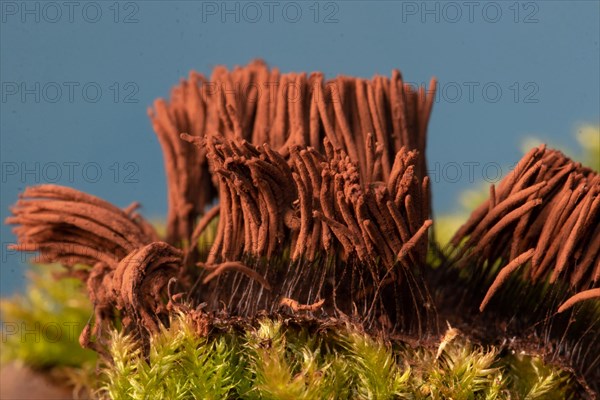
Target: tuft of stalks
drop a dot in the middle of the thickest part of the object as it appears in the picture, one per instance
(314, 204)
(536, 239)
(264, 106)
(542, 217)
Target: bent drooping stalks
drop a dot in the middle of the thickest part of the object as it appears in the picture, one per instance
(129, 265)
(545, 211)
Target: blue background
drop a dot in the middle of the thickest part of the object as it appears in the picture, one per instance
(549, 49)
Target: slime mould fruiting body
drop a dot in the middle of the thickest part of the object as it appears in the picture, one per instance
(323, 208)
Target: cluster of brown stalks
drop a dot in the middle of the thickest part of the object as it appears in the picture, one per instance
(332, 172)
(260, 105)
(317, 202)
(544, 215)
(130, 266)
(323, 204)
(316, 206)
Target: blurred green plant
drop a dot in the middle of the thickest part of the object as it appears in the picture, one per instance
(41, 326)
(533, 380)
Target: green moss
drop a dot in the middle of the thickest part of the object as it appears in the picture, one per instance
(268, 361)
(274, 361)
(180, 364)
(532, 379)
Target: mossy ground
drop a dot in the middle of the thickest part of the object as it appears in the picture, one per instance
(275, 361)
(268, 358)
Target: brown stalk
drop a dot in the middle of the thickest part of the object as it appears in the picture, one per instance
(295, 306)
(218, 269)
(579, 297)
(504, 274)
(557, 220)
